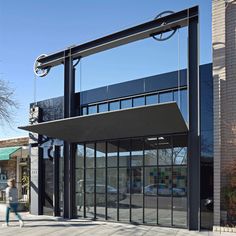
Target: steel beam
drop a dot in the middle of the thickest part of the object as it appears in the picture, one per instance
(139, 32)
(194, 126)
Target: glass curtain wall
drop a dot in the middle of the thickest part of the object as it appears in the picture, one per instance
(139, 180)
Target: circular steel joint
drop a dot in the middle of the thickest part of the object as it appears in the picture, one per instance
(164, 13)
(37, 71)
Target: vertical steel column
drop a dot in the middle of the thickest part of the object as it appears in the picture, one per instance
(194, 125)
(56, 191)
(69, 149)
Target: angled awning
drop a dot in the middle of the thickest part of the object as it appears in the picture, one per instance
(150, 120)
(6, 152)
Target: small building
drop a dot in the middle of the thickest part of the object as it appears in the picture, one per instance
(14, 153)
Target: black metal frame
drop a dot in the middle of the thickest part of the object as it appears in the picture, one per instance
(187, 17)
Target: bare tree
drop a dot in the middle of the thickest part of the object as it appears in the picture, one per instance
(7, 102)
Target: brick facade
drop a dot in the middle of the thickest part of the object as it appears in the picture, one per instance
(224, 75)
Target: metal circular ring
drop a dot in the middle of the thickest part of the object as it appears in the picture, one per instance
(173, 32)
(37, 71)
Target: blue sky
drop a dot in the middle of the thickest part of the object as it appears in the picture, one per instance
(29, 28)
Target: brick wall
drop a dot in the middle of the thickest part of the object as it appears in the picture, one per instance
(224, 74)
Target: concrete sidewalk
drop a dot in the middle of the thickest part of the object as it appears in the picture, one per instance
(46, 225)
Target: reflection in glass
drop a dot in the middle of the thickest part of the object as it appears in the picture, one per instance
(180, 211)
(112, 153)
(179, 180)
(100, 154)
(113, 106)
(127, 103)
(90, 153)
(103, 107)
(136, 196)
(124, 152)
(100, 192)
(164, 210)
(124, 194)
(166, 97)
(150, 152)
(79, 160)
(164, 181)
(150, 191)
(92, 109)
(164, 151)
(137, 152)
(112, 191)
(180, 156)
(151, 99)
(140, 101)
(84, 111)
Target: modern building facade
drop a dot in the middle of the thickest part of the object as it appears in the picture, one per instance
(141, 151)
(140, 177)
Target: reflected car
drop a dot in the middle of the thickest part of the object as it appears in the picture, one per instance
(100, 193)
(163, 190)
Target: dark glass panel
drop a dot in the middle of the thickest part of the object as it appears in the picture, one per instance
(124, 194)
(89, 180)
(180, 211)
(184, 104)
(150, 152)
(103, 107)
(166, 97)
(164, 151)
(79, 159)
(127, 103)
(151, 181)
(101, 154)
(92, 109)
(89, 198)
(137, 152)
(151, 99)
(112, 191)
(124, 152)
(139, 101)
(113, 106)
(90, 154)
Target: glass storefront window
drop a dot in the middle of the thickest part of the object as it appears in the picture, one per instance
(139, 101)
(113, 106)
(92, 109)
(127, 103)
(166, 97)
(151, 99)
(101, 154)
(90, 154)
(103, 107)
(120, 186)
(137, 152)
(164, 151)
(150, 151)
(112, 153)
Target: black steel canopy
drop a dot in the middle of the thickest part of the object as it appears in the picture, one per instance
(157, 119)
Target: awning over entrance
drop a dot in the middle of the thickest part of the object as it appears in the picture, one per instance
(6, 152)
(150, 120)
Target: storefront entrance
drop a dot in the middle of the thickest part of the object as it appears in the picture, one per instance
(139, 180)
